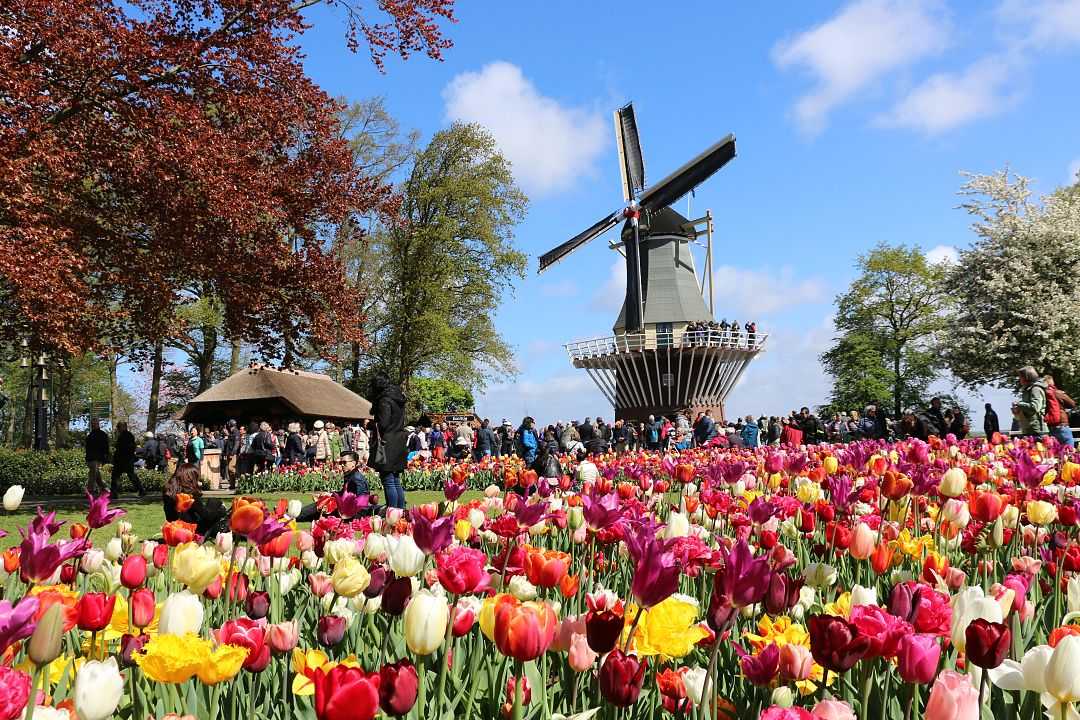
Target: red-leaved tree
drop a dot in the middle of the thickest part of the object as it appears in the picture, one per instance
(153, 150)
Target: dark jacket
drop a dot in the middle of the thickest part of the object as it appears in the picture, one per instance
(294, 449)
(97, 446)
(356, 483)
(151, 452)
(388, 407)
(990, 423)
(125, 449)
(232, 443)
(936, 422)
(486, 442)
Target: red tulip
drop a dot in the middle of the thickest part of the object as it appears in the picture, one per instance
(602, 630)
(835, 643)
(987, 506)
(142, 607)
(398, 683)
(346, 693)
(461, 570)
(524, 631)
(161, 556)
(133, 572)
(621, 677)
(95, 611)
(176, 533)
(250, 634)
(987, 643)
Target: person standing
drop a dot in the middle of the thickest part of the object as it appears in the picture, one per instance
(363, 443)
(322, 443)
(97, 454)
(1030, 411)
(388, 406)
(294, 445)
(750, 433)
(485, 440)
(936, 418)
(124, 460)
(1058, 403)
(990, 421)
(619, 436)
(194, 447)
(526, 440)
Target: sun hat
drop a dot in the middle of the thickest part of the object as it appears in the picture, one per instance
(318, 424)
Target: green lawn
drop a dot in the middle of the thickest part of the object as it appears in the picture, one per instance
(145, 515)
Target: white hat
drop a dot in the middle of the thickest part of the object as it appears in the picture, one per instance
(318, 424)
(148, 434)
(410, 428)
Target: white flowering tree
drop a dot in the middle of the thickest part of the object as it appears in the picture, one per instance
(1017, 289)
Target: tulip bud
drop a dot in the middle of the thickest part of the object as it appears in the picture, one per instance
(997, 533)
(396, 595)
(621, 677)
(782, 696)
(398, 685)
(46, 642)
(129, 645)
(133, 572)
(330, 630)
(13, 497)
(257, 604)
(294, 508)
(224, 542)
(77, 531)
(91, 561)
(142, 607)
(283, 636)
(114, 549)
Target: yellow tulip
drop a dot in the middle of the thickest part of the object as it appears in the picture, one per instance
(462, 530)
(350, 577)
(831, 464)
(1040, 512)
(953, 483)
(196, 566)
(222, 664)
(668, 629)
(1069, 471)
(173, 658)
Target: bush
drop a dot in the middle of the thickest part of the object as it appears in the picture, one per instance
(309, 480)
(57, 472)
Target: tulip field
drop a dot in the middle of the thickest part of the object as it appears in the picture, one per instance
(872, 580)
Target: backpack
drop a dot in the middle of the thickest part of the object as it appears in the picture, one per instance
(1053, 408)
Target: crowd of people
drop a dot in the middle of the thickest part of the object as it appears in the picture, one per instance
(721, 333)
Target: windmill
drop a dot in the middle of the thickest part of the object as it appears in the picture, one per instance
(664, 356)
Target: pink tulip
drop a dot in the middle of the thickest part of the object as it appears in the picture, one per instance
(571, 625)
(786, 713)
(952, 698)
(918, 658)
(321, 584)
(796, 662)
(863, 542)
(283, 636)
(581, 656)
(305, 541)
(14, 692)
(955, 578)
(833, 710)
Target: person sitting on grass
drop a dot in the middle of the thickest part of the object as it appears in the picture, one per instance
(355, 491)
(181, 499)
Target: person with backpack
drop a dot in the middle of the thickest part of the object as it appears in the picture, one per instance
(526, 441)
(1058, 403)
(1030, 410)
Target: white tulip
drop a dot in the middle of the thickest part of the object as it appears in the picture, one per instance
(406, 559)
(295, 508)
(148, 548)
(98, 689)
(92, 560)
(288, 580)
(335, 550)
(47, 712)
(114, 549)
(425, 620)
(971, 604)
(181, 613)
(783, 697)
(476, 518)
(863, 596)
(678, 525)
(819, 575)
(694, 681)
(1028, 674)
(521, 588)
(1062, 678)
(123, 527)
(13, 498)
(310, 560)
(1073, 594)
(224, 542)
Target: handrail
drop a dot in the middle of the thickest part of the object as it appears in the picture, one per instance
(635, 342)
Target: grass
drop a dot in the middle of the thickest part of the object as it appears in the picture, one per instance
(145, 514)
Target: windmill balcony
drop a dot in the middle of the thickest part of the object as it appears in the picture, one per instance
(583, 350)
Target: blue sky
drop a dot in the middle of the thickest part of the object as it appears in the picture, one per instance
(854, 121)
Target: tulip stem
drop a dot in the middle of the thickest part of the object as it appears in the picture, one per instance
(706, 702)
(444, 663)
(228, 578)
(519, 682)
(31, 701)
(421, 702)
(633, 628)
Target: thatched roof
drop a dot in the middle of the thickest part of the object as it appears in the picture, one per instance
(261, 392)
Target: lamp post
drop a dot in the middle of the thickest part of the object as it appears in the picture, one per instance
(41, 399)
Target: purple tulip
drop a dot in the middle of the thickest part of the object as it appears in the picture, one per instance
(1028, 473)
(269, 530)
(330, 630)
(453, 490)
(656, 573)
(46, 524)
(350, 504)
(39, 559)
(99, 515)
(760, 669)
(16, 621)
(601, 511)
(743, 581)
(783, 593)
(431, 537)
(904, 601)
(379, 578)
(761, 511)
(529, 515)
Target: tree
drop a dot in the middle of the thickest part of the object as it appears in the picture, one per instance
(446, 261)
(149, 146)
(1017, 300)
(889, 321)
(439, 395)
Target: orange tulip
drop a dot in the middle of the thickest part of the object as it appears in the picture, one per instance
(569, 585)
(684, 472)
(524, 630)
(895, 485)
(11, 560)
(184, 502)
(546, 568)
(881, 558)
(1059, 634)
(987, 506)
(934, 564)
(528, 478)
(691, 503)
(50, 595)
(817, 474)
(279, 546)
(626, 490)
(878, 465)
(178, 532)
(78, 530)
(247, 514)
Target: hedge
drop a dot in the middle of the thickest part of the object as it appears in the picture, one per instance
(317, 480)
(57, 472)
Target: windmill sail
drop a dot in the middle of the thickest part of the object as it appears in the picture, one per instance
(556, 254)
(631, 162)
(689, 176)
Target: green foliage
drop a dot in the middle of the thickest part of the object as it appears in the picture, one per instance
(447, 262)
(889, 323)
(439, 395)
(317, 480)
(59, 472)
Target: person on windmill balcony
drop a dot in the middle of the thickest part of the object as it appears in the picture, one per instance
(751, 334)
(736, 335)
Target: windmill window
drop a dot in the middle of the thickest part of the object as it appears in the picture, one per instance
(665, 334)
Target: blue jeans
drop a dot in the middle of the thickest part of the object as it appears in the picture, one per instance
(395, 494)
(1064, 434)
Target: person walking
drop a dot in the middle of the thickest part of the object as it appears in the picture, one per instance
(388, 406)
(1030, 411)
(124, 461)
(990, 421)
(526, 440)
(485, 440)
(97, 454)
(1058, 403)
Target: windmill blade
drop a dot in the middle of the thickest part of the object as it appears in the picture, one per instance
(689, 176)
(631, 163)
(556, 254)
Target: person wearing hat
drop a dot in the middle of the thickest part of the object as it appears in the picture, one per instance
(505, 439)
(322, 443)
(151, 451)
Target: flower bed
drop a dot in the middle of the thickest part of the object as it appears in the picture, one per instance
(872, 580)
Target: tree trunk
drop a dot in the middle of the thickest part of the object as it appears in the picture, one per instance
(234, 358)
(62, 398)
(27, 434)
(897, 385)
(206, 359)
(356, 364)
(112, 391)
(155, 387)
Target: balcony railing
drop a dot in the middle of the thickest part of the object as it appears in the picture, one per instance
(675, 340)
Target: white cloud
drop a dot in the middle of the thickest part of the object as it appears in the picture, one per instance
(760, 293)
(943, 253)
(1043, 23)
(609, 296)
(549, 144)
(947, 100)
(867, 40)
(1074, 172)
